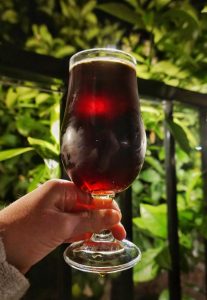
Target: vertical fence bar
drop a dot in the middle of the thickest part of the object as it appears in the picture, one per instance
(203, 141)
(174, 273)
(122, 286)
(64, 271)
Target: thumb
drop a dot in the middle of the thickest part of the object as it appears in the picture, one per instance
(64, 194)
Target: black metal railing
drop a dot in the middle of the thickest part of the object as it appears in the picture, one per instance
(172, 213)
(20, 66)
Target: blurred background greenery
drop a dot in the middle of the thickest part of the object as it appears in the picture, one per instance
(169, 41)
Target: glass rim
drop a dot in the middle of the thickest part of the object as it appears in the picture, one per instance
(130, 59)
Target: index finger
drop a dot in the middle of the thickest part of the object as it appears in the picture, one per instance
(66, 195)
(93, 204)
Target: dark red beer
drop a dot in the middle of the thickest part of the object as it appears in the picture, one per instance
(103, 139)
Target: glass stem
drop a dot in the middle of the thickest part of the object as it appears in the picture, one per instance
(103, 236)
(103, 200)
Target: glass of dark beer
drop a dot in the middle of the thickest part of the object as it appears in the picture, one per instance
(103, 146)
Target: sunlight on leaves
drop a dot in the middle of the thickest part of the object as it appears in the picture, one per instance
(153, 220)
(7, 154)
(147, 268)
(180, 135)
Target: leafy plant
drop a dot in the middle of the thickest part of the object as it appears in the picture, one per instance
(168, 39)
(28, 129)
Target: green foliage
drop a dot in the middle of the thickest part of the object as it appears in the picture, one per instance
(164, 295)
(153, 220)
(29, 128)
(57, 29)
(46, 149)
(147, 269)
(168, 39)
(6, 154)
(122, 12)
(150, 226)
(179, 135)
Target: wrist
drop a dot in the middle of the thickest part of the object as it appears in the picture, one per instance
(13, 254)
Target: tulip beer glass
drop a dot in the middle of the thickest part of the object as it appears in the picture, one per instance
(102, 147)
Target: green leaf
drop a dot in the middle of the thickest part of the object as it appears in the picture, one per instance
(6, 154)
(204, 10)
(64, 51)
(186, 16)
(45, 34)
(11, 97)
(153, 220)
(41, 98)
(76, 290)
(43, 172)
(161, 3)
(147, 268)
(38, 175)
(44, 148)
(64, 8)
(186, 240)
(10, 16)
(164, 295)
(191, 185)
(146, 108)
(122, 12)
(146, 274)
(179, 135)
(186, 215)
(163, 259)
(142, 71)
(138, 57)
(149, 175)
(25, 93)
(91, 33)
(9, 140)
(92, 19)
(166, 66)
(157, 190)
(191, 136)
(155, 164)
(137, 186)
(88, 7)
(32, 127)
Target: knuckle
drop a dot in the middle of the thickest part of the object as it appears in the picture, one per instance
(53, 183)
(57, 186)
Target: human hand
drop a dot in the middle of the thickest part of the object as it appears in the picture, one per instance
(54, 213)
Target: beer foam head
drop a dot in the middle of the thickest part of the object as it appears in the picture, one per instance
(102, 54)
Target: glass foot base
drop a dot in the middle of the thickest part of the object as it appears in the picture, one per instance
(102, 257)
